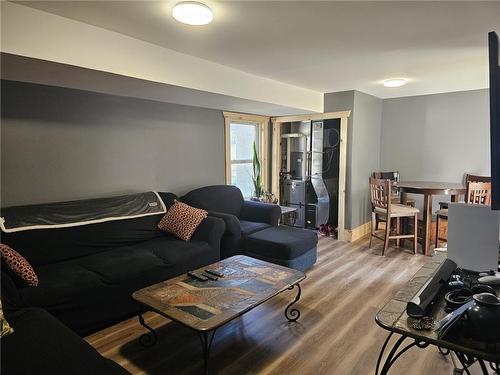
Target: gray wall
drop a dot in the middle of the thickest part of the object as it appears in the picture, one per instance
(363, 149)
(428, 138)
(61, 144)
(436, 137)
(365, 153)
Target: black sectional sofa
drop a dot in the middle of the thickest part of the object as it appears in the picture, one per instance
(88, 273)
(242, 217)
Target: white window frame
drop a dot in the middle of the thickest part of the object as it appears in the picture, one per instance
(263, 132)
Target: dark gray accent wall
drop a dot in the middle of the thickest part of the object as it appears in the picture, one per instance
(363, 149)
(62, 144)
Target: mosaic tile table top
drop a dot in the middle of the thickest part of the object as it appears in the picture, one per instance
(206, 305)
(393, 317)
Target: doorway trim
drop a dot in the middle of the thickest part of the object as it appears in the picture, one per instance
(277, 122)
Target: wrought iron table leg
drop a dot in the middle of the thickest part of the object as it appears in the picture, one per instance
(495, 367)
(388, 362)
(465, 361)
(147, 339)
(483, 367)
(381, 354)
(206, 338)
(444, 352)
(293, 314)
(394, 354)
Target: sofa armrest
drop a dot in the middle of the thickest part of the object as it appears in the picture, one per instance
(210, 230)
(231, 221)
(261, 212)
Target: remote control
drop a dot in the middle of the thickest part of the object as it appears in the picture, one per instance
(197, 276)
(214, 272)
(210, 276)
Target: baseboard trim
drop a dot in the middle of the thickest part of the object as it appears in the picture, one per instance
(359, 232)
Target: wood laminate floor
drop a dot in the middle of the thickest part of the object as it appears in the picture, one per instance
(336, 333)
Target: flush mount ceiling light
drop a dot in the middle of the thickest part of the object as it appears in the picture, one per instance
(395, 82)
(192, 13)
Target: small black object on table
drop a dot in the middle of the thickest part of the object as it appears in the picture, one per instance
(394, 318)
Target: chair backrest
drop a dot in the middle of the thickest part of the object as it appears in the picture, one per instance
(393, 176)
(474, 178)
(478, 193)
(380, 193)
(478, 189)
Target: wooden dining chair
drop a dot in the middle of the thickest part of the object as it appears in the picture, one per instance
(395, 194)
(394, 176)
(478, 192)
(380, 195)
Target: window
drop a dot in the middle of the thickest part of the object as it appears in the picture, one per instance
(241, 133)
(242, 137)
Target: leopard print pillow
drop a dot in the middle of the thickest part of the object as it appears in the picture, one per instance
(5, 328)
(19, 265)
(182, 220)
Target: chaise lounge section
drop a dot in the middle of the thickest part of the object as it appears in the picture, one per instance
(252, 228)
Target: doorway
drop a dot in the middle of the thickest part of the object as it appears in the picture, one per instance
(309, 167)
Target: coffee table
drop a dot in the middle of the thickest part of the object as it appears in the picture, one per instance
(204, 306)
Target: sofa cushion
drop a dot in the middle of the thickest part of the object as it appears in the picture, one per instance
(221, 198)
(18, 265)
(182, 220)
(142, 263)
(281, 242)
(41, 344)
(249, 227)
(102, 284)
(62, 283)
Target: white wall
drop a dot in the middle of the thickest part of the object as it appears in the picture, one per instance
(436, 137)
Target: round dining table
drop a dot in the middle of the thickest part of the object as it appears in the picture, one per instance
(428, 189)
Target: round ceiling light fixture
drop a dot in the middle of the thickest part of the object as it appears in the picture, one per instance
(395, 82)
(192, 13)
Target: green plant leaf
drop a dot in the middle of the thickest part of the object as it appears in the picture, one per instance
(256, 178)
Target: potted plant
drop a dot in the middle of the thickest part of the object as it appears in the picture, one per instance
(257, 177)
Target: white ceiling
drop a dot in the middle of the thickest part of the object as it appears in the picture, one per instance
(324, 46)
